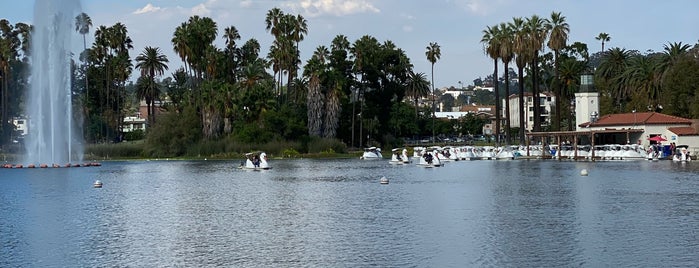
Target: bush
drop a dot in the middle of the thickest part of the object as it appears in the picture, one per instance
(173, 133)
(114, 150)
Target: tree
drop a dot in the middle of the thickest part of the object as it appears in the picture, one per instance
(506, 54)
(416, 87)
(491, 45)
(522, 57)
(152, 63)
(558, 36)
(603, 37)
(613, 65)
(83, 22)
(537, 31)
(433, 54)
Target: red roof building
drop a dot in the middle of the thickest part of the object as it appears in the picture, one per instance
(681, 131)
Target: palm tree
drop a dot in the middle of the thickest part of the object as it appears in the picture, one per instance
(314, 69)
(614, 63)
(604, 37)
(417, 86)
(491, 44)
(672, 53)
(152, 63)
(272, 21)
(83, 22)
(506, 54)
(433, 54)
(522, 57)
(643, 75)
(536, 28)
(570, 71)
(558, 35)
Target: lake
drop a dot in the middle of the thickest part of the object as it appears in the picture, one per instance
(335, 213)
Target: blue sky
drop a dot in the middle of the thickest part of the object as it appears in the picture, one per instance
(456, 25)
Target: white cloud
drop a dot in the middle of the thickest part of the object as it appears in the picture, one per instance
(201, 10)
(315, 8)
(147, 9)
(246, 3)
(407, 28)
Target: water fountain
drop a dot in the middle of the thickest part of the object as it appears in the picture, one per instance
(54, 135)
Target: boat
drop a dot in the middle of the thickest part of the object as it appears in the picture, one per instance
(429, 159)
(399, 156)
(255, 161)
(681, 154)
(371, 153)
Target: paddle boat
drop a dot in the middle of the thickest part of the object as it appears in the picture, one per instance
(255, 161)
(371, 153)
(681, 154)
(429, 159)
(399, 156)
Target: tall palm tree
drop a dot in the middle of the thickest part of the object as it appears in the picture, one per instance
(570, 71)
(672, 53)
(416, 87)
(558, 36)
(604, 37)
(491, 45)
(272, 20)
(152, 63)
(522, 57)
(643, 75)
(83, 22)
(536, 28)
(614, 63)
(506, 54)
(433, 54)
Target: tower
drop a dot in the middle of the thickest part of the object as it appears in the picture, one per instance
(586, 101)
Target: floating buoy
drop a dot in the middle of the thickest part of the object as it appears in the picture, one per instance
(384, 180)
(97, 184)
(583, 172)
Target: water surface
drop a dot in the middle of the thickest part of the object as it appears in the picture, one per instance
(334, 213)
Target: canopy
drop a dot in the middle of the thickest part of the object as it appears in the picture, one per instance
(656, 138)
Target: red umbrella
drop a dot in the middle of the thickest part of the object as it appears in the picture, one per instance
(656, 138)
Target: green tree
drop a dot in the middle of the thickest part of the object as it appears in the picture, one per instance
(417, 87)
(506, 54)
(604, 38)
(522, 57)
(152, 63)
(491, 45)
(558, 36)
(433, 54)
(536, 28)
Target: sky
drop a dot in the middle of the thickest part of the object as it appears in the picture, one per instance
(456, 25)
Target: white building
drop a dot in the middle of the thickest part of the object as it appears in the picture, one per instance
(640, 127)
(20, 125)
(586, 102)
(133, 123)
(547, 102)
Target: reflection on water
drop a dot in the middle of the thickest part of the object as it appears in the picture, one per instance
(334, 213)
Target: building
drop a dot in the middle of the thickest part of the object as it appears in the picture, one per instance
(547, 104)
(586, 101)
(133, 123)
(20, 125)
(639, 128)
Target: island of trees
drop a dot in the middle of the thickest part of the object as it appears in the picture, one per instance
(349, 94)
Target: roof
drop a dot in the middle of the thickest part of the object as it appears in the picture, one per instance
(684, 131)
(631, 119)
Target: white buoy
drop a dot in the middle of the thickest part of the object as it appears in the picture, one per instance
(97, 184)
(583, 172)
(384, 180)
